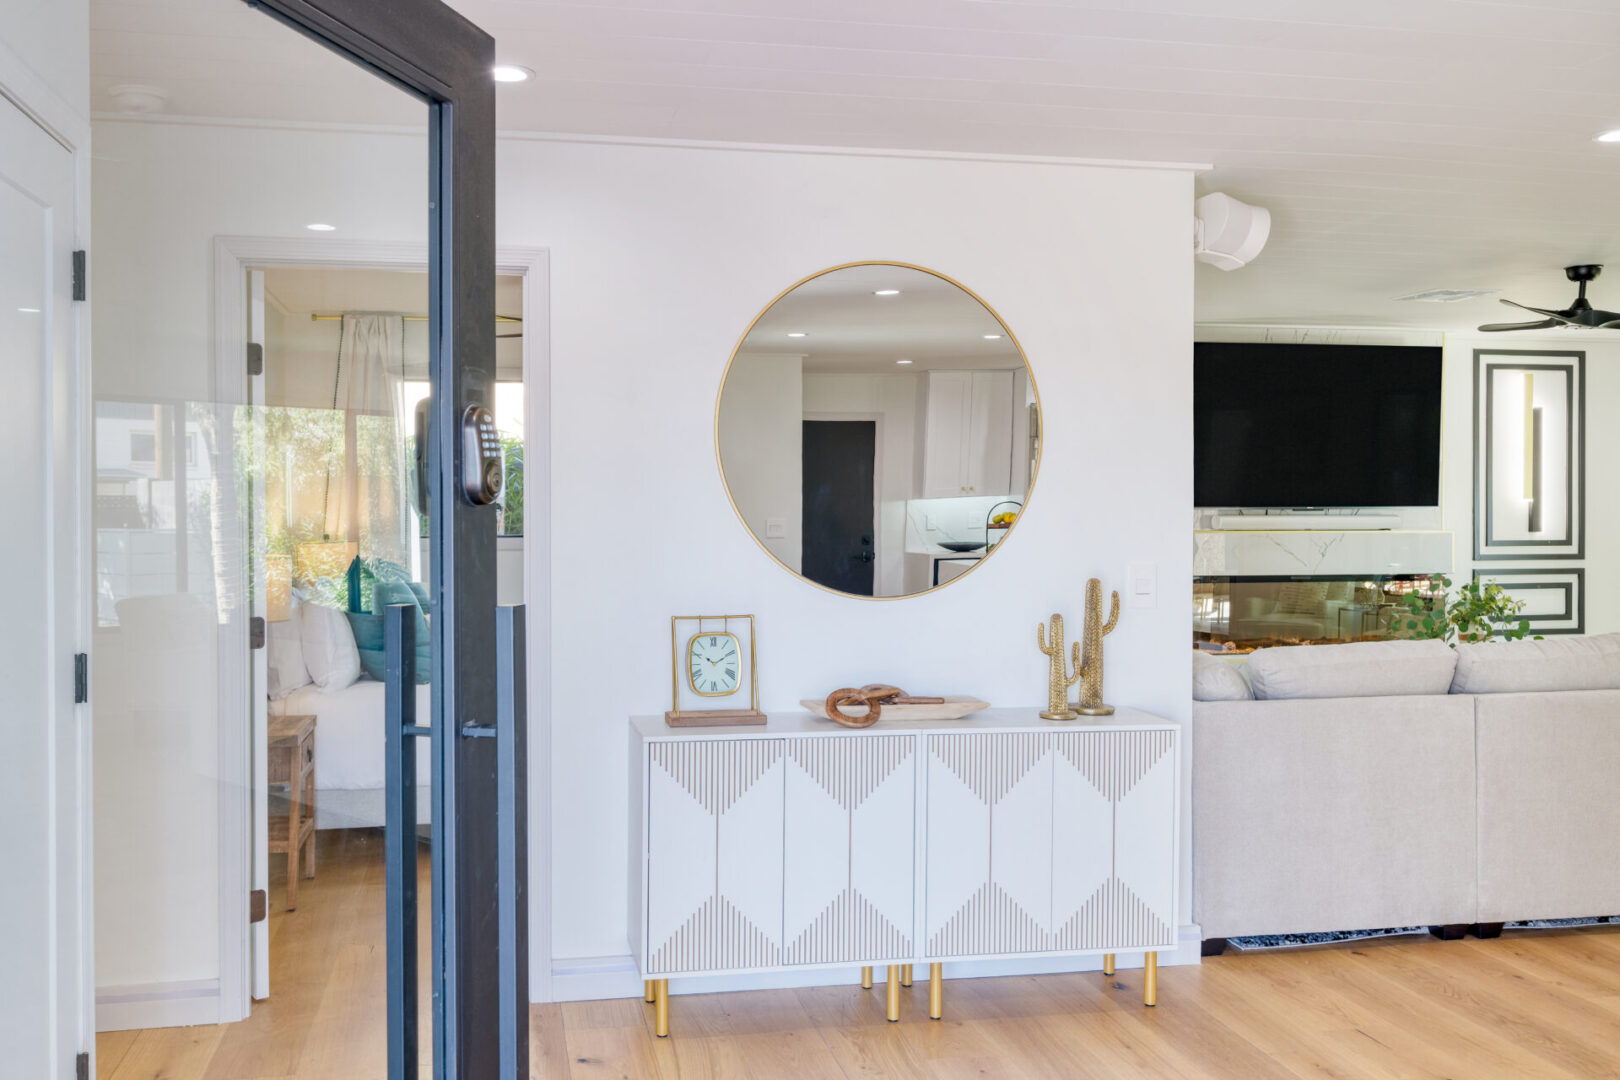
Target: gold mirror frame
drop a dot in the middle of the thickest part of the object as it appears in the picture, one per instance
(1034, 386)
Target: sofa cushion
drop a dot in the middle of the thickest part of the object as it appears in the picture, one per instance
(1561, 663)
(1359, 669)
(1215, 679)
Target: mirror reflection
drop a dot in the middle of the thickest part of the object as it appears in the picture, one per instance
(878, 430)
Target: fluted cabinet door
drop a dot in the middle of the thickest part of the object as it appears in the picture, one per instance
(849, 838)
(714, 855)
(1114, 809)
(989, 889)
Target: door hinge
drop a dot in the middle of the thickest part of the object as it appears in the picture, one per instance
(258, 905)
(81, 678)
(255, 358)
(256, 632)
(78, 275)
(81, 1066)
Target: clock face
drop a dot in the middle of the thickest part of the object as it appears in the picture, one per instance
(713, 664)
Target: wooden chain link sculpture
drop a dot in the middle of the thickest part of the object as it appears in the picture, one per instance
(874, 696)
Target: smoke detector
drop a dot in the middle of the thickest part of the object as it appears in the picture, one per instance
(137, 100)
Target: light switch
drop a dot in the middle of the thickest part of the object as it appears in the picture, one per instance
(775, 528)
(1142, 584)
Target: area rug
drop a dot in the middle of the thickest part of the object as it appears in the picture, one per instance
(1294, 941)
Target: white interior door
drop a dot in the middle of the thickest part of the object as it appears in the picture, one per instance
(43, 972)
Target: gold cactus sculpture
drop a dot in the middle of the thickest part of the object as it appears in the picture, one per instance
(1089, 665)
(1057, 689)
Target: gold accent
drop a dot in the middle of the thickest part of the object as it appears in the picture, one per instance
(650, 991)
(1011, 337)
(1057, 684)
(905, 974)
(1108, 964)
(661, 1013)
(1090, 664)
(936, 991)
(692, 682)
(678, 717)
(866, 978)
(894, 993)
(1150, 979)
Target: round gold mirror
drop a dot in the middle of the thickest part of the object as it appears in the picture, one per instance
(878, 430)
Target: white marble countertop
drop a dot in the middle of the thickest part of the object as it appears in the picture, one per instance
(800, 723)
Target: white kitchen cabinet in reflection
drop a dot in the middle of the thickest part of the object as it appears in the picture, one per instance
(968, 434)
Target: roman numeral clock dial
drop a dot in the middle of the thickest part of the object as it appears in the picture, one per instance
(714, 664)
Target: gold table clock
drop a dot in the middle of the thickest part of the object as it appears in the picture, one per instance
(714, 680)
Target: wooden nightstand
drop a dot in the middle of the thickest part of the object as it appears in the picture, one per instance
(292, 762)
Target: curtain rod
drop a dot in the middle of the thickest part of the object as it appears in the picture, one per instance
(410, 318)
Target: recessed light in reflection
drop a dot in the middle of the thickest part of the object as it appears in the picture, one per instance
(796, 333)
(1610, 136)
(887, 292)
(902, 361)
(320, 227)
(29, 310)
(992, 337)
(510, 73)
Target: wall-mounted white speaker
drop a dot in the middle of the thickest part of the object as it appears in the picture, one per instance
(1228, 233)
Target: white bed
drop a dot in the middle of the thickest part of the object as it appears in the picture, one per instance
(350, 782)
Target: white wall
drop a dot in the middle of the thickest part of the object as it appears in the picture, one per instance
(51, 39)
(762, 445)
(660, 257)
(1602, 449)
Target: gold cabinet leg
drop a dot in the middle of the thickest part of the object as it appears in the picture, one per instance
(650, 990)
(1150, 979)
(936, 991)
(905, 974)
(866, 978)
(894, 993)
(661, 1013)
(1108, 963)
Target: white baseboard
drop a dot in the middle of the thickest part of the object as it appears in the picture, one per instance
(594, 978)
(156, 1005)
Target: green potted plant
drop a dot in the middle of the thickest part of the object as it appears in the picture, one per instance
(1480, 610)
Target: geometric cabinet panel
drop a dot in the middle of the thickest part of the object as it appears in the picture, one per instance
(849, 841)
(714, 868)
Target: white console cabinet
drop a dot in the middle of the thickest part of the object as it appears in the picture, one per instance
(801, 844)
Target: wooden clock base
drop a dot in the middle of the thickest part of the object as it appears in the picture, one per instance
(714, 718)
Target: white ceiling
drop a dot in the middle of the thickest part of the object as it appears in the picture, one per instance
(848, 328)
(1401, 145)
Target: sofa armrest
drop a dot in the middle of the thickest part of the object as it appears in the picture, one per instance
(1333, 814)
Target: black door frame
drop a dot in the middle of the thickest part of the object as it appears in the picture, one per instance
(480, 940)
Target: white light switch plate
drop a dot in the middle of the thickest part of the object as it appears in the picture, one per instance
(1142, 585)
(775, 528)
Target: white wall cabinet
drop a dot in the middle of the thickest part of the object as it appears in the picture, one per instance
(968, 434)
(801, 844)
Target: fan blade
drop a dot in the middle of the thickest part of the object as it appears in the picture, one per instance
(1559, 315)
(1612, 324)
(1604, 320)
(1545, 324)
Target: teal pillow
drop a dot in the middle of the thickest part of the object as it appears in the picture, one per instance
(368, 631)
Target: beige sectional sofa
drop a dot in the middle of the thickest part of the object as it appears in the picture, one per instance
(1346, 787)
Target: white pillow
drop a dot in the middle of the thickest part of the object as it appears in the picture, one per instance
(284, 654)
(1215, 679)
(329, 649)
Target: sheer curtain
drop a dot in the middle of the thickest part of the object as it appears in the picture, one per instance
(368, 502)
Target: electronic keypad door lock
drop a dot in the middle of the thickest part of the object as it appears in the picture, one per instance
(480, 456)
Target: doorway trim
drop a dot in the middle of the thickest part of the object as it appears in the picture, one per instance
(233, 257)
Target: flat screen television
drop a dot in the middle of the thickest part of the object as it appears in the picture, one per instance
(1296, 426)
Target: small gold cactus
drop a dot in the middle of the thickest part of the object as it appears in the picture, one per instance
(1089, 665)
(1057, 689)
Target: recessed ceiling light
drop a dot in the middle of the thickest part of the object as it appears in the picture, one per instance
(35, 311)
(511, 73)
(887, 292)
(1612, 135)
(320, 227)
(796, 333)
(902, 361)
(992, 337)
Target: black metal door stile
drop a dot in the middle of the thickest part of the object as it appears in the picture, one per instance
(480, 962)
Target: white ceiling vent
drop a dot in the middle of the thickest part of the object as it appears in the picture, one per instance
(138, 100)
(1447, 296)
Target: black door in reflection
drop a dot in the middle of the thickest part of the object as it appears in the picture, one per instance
(839, 472)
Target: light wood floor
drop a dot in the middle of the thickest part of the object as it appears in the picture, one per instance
(1530, 1004)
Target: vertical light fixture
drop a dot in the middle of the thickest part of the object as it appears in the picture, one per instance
(1532, 451)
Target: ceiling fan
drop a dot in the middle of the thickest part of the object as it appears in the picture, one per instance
(1580, 315)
